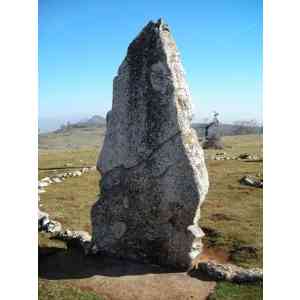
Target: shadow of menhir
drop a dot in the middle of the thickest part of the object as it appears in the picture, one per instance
(116, 279)
(59, 263)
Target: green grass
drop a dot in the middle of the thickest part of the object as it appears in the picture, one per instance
(239, 144)
(231, 212)
(230, 291)
(50, 290)
(241, 207)
(70, 202)
(75, 138)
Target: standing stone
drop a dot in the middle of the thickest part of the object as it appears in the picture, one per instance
(212, 135)
(154, 177)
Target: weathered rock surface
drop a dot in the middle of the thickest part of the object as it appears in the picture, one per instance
(227, 272)
(154, 177)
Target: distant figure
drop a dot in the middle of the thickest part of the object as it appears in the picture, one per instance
(212, 134)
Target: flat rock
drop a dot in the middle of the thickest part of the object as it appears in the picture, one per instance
(154, 177)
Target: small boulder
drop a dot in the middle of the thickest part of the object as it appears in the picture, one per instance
(251, 181)
(41, 190)
(43, 184)
(244, 156)
(56, 179)
(77, 173)
(53, 227)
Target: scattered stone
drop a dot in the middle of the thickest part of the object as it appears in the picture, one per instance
(77, 173)
(221, 153)
(251, 181)
(244, 156)
(43, 184)
(56, 179)
(46, 179)
(53, 226)
(60, 176)
(154, 177)
(41, 190)
(226, 272)
(84, 170)
(43, 220)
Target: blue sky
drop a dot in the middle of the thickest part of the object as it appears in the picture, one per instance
(82, 43)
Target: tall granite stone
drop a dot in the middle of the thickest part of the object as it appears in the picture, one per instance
(154, 177)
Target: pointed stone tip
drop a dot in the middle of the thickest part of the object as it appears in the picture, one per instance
(162, 25)
(159, 24)
(160, 21)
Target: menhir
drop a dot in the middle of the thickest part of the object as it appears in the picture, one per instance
(154, 177)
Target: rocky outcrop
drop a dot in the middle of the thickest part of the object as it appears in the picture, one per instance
(154, 177)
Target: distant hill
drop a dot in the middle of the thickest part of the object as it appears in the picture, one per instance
(229, 129)
(95, 121)
(91, 133)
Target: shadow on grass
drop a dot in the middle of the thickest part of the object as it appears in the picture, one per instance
(59, 263)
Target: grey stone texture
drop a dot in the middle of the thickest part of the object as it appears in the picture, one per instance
(154, 177)
(227, 272)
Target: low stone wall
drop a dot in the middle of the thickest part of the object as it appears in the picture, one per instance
(58, 178)
(226, 272)
(243, 156)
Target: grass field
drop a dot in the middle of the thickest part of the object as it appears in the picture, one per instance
(231, 214)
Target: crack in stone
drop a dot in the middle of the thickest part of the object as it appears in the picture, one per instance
(143, 160)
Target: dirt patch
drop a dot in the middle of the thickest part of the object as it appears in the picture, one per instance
(116, 279)
(220, 217)
(213, 254)
(243, 253)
